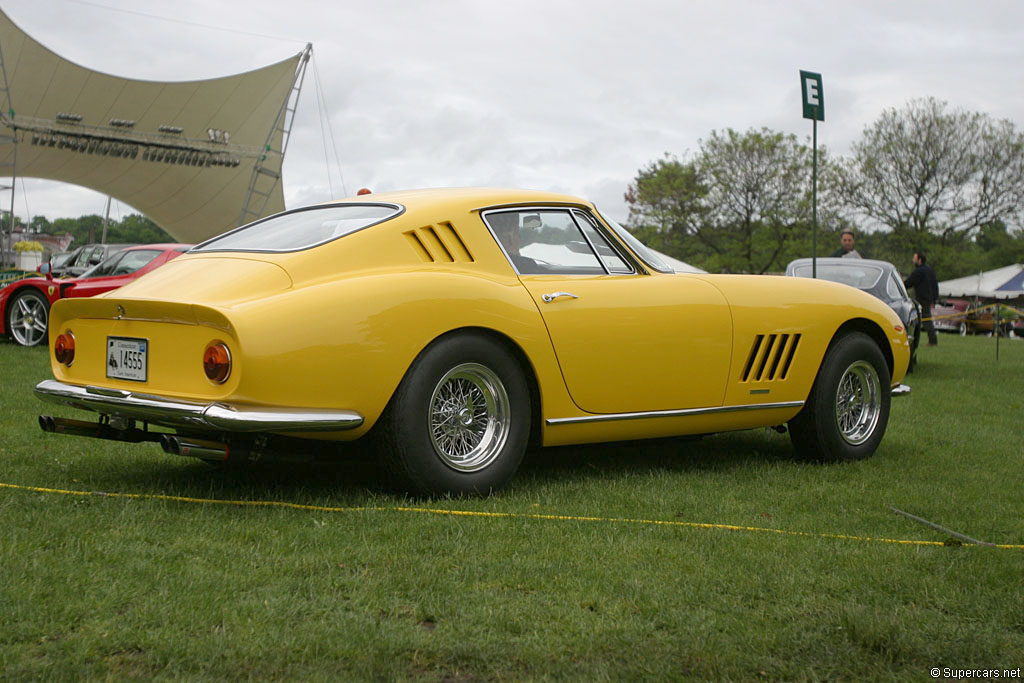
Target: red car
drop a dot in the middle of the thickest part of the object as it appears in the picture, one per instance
(25, 304)
(950, 315)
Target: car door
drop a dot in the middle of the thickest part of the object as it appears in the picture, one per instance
(626, 340)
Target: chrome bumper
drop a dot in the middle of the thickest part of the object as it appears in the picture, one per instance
(181, 413)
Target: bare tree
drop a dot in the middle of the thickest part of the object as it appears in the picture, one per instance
(758, 194)
(927, 169)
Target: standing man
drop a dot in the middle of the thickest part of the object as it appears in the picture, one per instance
(926, 291)
(846, 250)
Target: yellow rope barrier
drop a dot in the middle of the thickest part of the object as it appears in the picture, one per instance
(493, 515)
(7, 277)
(964, 314)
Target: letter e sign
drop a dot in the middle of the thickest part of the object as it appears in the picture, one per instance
(814, 95)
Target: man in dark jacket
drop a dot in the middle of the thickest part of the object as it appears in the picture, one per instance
(926, 291)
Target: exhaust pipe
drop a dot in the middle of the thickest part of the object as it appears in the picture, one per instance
(195, 448)
(96, 430)
(261, 449)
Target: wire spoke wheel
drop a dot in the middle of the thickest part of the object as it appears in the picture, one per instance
(858, 402)
(469, 417)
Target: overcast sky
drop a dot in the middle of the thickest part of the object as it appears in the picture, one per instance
(565, 95)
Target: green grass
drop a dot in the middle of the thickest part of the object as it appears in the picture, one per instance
(106, 587)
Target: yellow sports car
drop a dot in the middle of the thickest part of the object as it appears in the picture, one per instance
(456, 327)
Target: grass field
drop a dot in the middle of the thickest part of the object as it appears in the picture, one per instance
(565, 580)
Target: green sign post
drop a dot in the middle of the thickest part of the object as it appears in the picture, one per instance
(814, 109)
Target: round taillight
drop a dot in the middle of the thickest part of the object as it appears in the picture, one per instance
(217, 362)
(64, 348)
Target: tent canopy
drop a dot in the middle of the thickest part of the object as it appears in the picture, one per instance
(195, 156)
(1002, 283)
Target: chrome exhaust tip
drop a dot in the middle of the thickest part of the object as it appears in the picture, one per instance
(194, 448)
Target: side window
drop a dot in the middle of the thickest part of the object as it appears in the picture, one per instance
(107, 267)
(82, 260)
(134, 260)
(894, 288)
(612, 259)
(542, 241)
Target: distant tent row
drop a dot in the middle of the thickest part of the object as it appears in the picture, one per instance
(1001, 283)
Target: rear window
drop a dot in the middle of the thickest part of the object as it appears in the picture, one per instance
(861, 276)
(301, 229)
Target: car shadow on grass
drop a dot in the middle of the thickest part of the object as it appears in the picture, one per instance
(354, 477)
(714, 453)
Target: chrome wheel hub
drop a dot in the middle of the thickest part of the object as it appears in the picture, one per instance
(469, 417)
(28, 321)
(858, 403)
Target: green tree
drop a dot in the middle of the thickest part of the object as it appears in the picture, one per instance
(741, 204)
(39, 224)
(999, 246)
(928, 170)
(759, 187)
(132, 229)
(137, 228)
(667, 209)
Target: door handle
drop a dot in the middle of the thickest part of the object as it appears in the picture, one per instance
(548, 298)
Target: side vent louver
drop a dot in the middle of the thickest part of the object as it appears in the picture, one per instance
(439, 243)
(770, 357)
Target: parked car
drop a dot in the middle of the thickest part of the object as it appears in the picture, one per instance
(880, 279)
(85, 257)
(414, 319)
(982, 320)
(25, 303)
(950, 315)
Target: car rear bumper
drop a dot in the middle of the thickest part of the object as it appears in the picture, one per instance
(208, 416)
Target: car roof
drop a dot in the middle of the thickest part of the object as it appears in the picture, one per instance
(164, 246)
(474, 197)
(840, 261)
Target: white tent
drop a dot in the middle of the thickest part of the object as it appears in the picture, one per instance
(197, 157)
(1001, 283)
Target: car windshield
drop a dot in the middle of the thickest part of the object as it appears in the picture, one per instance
(59, 259)
(639, 248)
(301, 229)
(860, 275)
(122, 263)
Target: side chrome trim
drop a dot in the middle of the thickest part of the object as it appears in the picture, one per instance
(670, 413)
(179, 412)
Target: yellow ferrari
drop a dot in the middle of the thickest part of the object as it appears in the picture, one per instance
(455, 328)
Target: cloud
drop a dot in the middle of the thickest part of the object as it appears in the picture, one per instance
(552, 94)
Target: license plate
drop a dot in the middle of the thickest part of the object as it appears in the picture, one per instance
(127, 358)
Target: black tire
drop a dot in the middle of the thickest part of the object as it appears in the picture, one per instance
(913, 348)
(28, 314)
(459, 422)
(848, 410)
